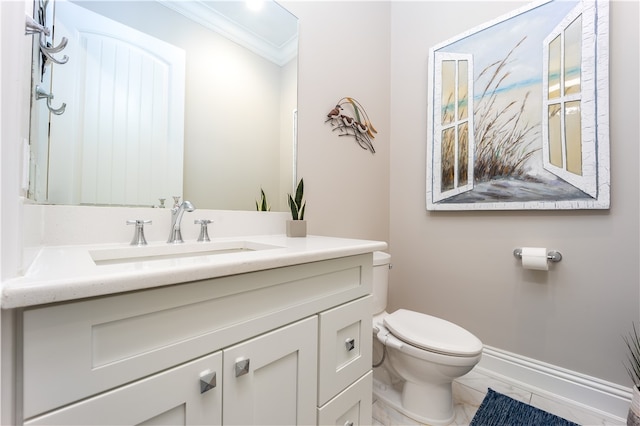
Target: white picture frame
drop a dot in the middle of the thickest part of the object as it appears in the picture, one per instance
(535, 132)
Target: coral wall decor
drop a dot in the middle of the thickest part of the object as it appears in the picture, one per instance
(353, 122)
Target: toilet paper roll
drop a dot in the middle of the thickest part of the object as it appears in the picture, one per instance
(535, 258)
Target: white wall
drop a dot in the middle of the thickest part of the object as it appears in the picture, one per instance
(459, 265)
(14, 113)
(15, 83)
(344, 51)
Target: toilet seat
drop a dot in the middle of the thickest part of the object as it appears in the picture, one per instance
(432, 334)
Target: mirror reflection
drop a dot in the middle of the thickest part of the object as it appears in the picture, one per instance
(166, 98)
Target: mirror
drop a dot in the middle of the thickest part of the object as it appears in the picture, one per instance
(208, 114)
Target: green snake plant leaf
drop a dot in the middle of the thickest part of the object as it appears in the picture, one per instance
(293, 207)
(295, 204)
(299, 192)
(262, 206)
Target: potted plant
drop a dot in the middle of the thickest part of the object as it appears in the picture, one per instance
(633, 345)
(297, 226)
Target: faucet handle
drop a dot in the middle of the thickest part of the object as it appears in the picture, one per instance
(204, 233)
(138, 236)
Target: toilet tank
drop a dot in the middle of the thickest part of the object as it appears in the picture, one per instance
(381, 262)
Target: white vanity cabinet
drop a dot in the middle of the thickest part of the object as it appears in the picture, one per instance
(288, 345)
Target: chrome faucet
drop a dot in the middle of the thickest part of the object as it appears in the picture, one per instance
(175, 236)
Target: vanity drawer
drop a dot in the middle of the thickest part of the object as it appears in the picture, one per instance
(345, 346)
(353, 406)
(75, 350)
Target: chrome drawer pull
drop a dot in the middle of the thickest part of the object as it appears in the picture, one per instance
(350, 343)
(207, 381)
(242, 367)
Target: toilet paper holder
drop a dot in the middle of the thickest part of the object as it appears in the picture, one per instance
(553, 255)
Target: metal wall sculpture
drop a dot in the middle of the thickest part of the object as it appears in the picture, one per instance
(356, 124)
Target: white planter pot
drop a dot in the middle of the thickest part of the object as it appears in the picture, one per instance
(296, 228)
(633, 418)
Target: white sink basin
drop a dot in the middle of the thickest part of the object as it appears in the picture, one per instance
(111, 256)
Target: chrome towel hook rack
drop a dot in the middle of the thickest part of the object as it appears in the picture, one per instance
(39, 27)
(42, 94)
(32, 27)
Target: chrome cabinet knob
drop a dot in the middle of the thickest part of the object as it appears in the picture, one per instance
(350, 343)
(242, 367)
(207, 381)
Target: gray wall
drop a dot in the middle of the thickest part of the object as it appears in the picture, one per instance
(344, 51)
(459, 265)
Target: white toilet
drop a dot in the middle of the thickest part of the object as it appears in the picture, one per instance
(422, 356)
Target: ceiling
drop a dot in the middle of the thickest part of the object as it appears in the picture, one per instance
(271, 32)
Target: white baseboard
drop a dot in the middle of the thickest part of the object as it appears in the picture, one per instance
(566, 386)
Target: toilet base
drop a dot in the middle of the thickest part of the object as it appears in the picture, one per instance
(392, 397)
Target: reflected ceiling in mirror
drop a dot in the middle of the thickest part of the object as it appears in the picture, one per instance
(235, 113)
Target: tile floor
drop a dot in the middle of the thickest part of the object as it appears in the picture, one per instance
(469, 391)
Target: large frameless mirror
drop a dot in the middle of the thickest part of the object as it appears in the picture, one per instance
(165, 98)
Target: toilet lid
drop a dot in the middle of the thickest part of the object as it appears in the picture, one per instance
(432, 334)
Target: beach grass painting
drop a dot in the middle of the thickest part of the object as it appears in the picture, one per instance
(518, 114)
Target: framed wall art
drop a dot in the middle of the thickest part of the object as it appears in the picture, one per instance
(519, 112)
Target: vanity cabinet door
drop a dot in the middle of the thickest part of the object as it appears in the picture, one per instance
(351, 407)
(272, 379)
(175, 396)
(346, 342)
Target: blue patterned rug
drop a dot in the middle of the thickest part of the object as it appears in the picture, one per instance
(500, 410)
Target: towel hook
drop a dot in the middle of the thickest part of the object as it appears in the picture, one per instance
(49, 50)
(42, 94)
(32, 27)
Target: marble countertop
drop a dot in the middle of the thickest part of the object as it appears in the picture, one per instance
(63, 273)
